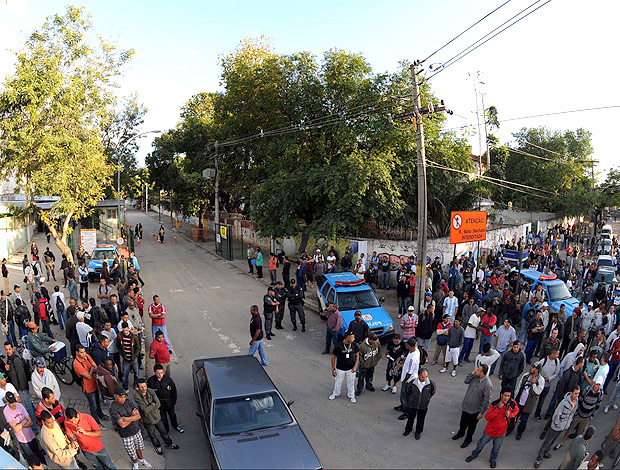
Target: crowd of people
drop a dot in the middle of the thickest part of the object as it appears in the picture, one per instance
(551, 365)
(105, 335)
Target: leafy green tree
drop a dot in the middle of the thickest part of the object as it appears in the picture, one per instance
(51, 112)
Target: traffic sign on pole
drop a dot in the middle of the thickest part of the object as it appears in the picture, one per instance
(468, 226)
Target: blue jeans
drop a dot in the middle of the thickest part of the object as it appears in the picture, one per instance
(499, 360)
(94, 403)
(330, 336)
(385, 279)
(468, 344)
(260, 347)
(484, 440)
(100, 460)
(523, 332)
(530, 348)
(27, 402)
(485, 339)
(127, 366)
(62, 318)
(11, 333)
(164, 330)
(426, 343)
(46, 328)
(403, 305)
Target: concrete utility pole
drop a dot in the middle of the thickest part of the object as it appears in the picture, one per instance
(416, 116)
(422, 193)
(217, 190)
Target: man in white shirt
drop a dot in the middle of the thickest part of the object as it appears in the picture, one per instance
(82, 329)
(450, 304)
(409, 372)
(7, 387)
(471, 330)
(43, 377)
(480, 274)
(55, 297)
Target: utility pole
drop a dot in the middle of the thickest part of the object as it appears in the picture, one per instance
(486, 133)
(416, 117)
(217, 191)
(146, 200)
(422, 193)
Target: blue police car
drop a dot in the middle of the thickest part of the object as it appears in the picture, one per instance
(349, 293)
(100, 254)
(556, 291)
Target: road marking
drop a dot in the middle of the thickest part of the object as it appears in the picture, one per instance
(215, 287)
(289, 336)
(177, 290)
(223, 338)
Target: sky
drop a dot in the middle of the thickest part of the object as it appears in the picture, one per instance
(562, 57)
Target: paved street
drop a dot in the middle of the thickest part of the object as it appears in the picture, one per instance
(208, 302)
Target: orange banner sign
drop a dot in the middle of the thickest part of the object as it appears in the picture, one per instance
(468, 226)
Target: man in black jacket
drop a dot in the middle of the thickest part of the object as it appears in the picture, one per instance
(296, 305)
(113, 310)
(18, 375)
(421, 391)
(281, 293)
(166, 391)
(359, 327)
(511, 366)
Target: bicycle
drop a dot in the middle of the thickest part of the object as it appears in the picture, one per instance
(58, 362)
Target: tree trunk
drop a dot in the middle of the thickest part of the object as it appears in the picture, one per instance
(60, 238)
(200, 225)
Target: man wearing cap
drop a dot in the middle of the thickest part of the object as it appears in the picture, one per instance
(37, 341)
(127, 416)
(82, 328)
(345, 361)
(358, 327)
(296, 305)
(587, 321)
(16, 372)
(370, 353)
(270, 306)
(148, 405)
(471, 331)
(408, 323)
(334, 325)
(43, 377)
(18, 418)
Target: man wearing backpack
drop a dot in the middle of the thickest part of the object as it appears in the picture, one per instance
(58, 299)
(43, 314)
(19, 373)
(550, 370)
(442, 338)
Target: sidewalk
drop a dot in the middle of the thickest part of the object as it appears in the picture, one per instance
(72, 395)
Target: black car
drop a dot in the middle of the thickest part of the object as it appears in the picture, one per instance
(245, 419)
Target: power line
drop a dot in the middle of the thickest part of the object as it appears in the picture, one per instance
(463, 32)
(468, 50)
(560, 112)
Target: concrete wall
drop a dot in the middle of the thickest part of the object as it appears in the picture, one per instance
(13, 235)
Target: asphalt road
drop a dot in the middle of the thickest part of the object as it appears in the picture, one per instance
(208, 301)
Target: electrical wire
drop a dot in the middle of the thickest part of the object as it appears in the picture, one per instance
(561, 112)
(463, 32)
(468, 50)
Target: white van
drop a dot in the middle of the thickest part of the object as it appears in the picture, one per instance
(607, 230)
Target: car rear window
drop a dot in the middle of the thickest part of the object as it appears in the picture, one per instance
(249, 413)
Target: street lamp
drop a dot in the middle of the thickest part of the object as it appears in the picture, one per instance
(118, 189)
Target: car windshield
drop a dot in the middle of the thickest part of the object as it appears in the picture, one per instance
(102, 254)
(558, 291)
(357, 300)
(249, 413)
(604, 276)
(605, 262)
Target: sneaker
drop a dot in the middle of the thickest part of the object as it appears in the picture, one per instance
(135, 466)
(493, 463)
(606, 409)
(102, 427)
(443, 370)
(180, 429)
(386, 387)
(453, 373)
(106, 417)
(538, 418)
(400, 315)
(325, 352)
(394, 389)
(159, 451)
(353, 400)
(558, 447)
(358, 392)
(332, 397)
(174, 446)
(614, 406)
(145, 463)
(537, 464)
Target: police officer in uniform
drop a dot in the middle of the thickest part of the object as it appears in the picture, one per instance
(296, 305)
(281, 294)
(270, 306)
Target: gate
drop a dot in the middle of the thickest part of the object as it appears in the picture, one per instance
(223, 241)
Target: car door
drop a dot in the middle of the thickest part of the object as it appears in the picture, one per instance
(322, 295)
(206, 403)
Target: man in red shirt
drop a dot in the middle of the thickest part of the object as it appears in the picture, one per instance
(499, 414)
(84, 430)
(157, 312)
(86, 368)
(160, 352)
(488, 328)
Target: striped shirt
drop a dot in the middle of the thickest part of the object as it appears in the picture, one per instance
(589, 402)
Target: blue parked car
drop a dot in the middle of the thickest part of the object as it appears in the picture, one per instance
(97, 257)
(556, 290)
(349, 293)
